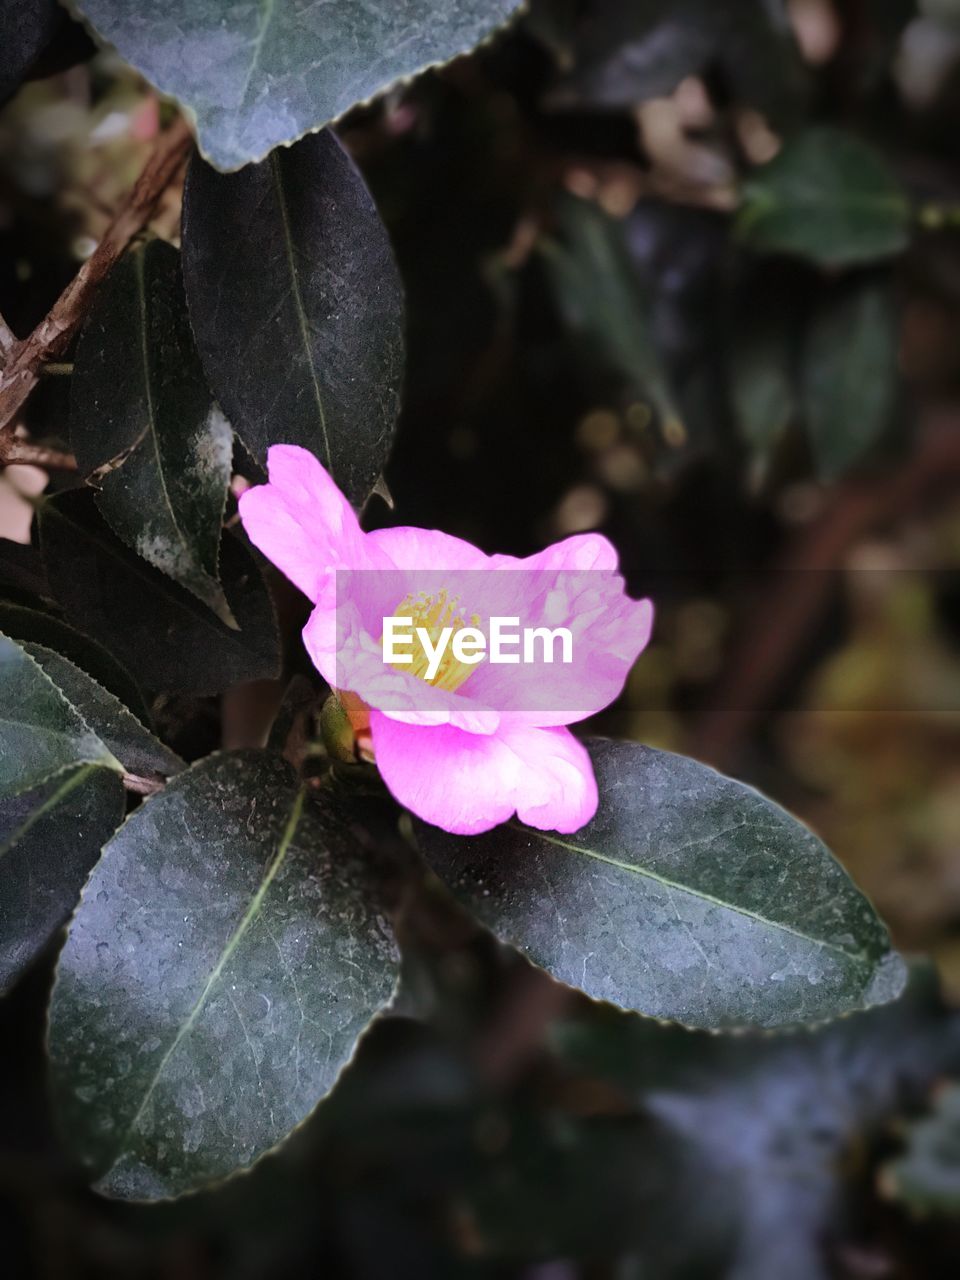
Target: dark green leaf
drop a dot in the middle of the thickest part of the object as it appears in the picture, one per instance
(21, 571)
(757, 1117)
(41, 733)
(24, 624)
(927, 1176)
(50, 837)
(161, 633)
(764, 396)
(690, 896)
(144, 426)
(297, 306)
(849, 374)
(223, 961)
(121, 732)
(828, 197)
(624, 54)
(255, 76)
(26, 27)
(605, 304)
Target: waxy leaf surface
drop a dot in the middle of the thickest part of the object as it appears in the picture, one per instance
(26, 27)
(121, 732)
(164, 636)
(50, 837)
(41, 732)
(297, 307)
(30, 625)
(223, 961)
(690, 896)
(254, 76)
(144, 426)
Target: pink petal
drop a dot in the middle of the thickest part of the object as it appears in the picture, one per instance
(608, 637)
(301, 521)
(467, 783)
(412, 548)
(582, 551)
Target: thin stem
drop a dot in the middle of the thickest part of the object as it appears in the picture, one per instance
(22, 452)
(142, 786)
(53, 335)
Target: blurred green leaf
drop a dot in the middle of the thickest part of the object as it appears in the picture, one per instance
(927, 1176)
(849, 374)
(764, 1124)
(827, 197)
(256, 77)
(50, 837)
(627, 53)
(604, 303)
(161, 633)
(225, 957)
(297, 307)
(41, 732)
(764, 395)
(144, 427)
(690, 896)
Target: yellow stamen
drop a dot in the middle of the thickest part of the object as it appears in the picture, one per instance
(433, 613)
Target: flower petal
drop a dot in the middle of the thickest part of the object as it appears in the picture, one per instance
(468, 783)
(301, 521)
(428, 549)
(582, 551)
(609, 631)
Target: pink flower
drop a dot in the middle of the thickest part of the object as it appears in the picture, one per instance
(477, 743)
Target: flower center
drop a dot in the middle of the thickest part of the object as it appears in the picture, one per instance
(433, 613)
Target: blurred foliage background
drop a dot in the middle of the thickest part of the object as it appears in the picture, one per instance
(687, 271)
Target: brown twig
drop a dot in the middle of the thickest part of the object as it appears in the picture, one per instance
(8, 340)
(22, 452)
(785, 616)
(52, 336)
(142, 786)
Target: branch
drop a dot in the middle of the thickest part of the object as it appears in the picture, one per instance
(8, 340)
(141, 786)
(15, 450)
(53, 335)
(785, 617)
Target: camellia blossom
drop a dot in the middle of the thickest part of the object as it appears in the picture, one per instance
(477, 743)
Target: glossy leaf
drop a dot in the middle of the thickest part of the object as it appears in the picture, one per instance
(223, 961)
(26, 27)
(849, 374)
(827, 197)
(50, 837)
(121, 732)
(164, 636)
(41, 733)
(689, 896)
(144, 426)
(24, 624)
(297, 306)
(255, 76)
